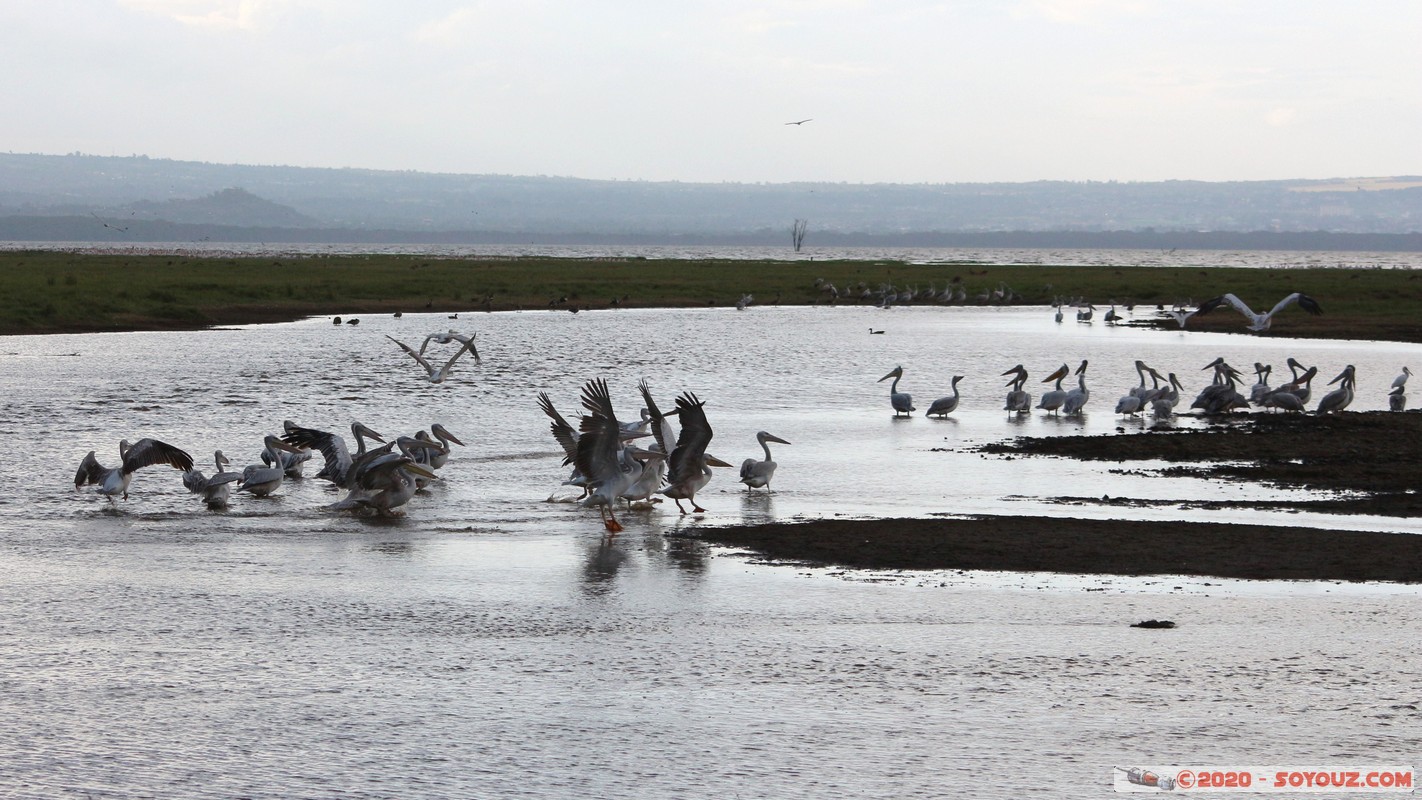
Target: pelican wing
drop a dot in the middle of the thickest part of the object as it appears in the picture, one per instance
(90, 471)
(413, 353)
(1305, 302)
(448, 365)
(661, 428)
(148, 452)
(564, 433)
(599, 439)
(685, 460)
(331, 447)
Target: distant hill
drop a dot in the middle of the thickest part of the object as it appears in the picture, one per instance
(42, 195)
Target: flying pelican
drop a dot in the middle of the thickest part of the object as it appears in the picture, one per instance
(339, 460)
(1339, 398)
(755, 474)
(1261, 322)
(610, 469)
(799, 122)
(436, 374)
(1051, 401)
(1018, 399)
(260, 479)
(689, 467)
(944, 406)
(450, 336)
(143, 453)
(216, 489)
(1076, 398)
(901, 401)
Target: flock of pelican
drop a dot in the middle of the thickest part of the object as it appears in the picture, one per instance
(1182, 314)
(379, 479)
(1161, 397)
(609, 467)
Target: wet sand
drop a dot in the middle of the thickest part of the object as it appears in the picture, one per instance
(1358, 463)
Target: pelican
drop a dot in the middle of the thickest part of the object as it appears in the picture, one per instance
(1058, 315)
(215, 490)
(143, 453)
(689, 466)
(1051, 401)
(1076, 398)
(436, 374)
(1282, 399)
(1018, 399)
(1261, 322)
(1111, 316)
(1397, 398)
(1140, 390)
(1339, 398)
(1084, 315)
(1180, 315)
(450, 336)
(339, 461)
(1129, 404)
(944, 406)
(1302, 384)
(260, 479)
(1261, 386)
(1163, 405)
(901, 401)
(1222, 395)
(610, 469)
(433, 452)
(755, 474)
(292, 462)
(387, 481)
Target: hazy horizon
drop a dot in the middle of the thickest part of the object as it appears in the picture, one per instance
(906, 92)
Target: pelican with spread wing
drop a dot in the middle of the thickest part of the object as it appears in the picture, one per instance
(437, 372)
(689, 467)
(1260, 322)
(132, 457)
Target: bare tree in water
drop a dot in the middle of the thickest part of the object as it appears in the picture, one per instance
(797, 232)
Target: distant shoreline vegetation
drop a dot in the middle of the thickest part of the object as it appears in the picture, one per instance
(93, 229)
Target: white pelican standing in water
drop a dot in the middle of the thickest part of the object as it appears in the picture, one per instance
(901, 401)
(1076, 398)
(437, 374)
(1339, 398)
(217, 488)
(1018, 400)
(1051, 401)
(755, 474)
(387, 481)
(944, 406)
(689, 467)
(143, 453)
(1261, 322)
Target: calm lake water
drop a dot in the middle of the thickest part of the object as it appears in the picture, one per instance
(494, 643)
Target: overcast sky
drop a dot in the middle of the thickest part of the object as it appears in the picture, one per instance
(700, 90)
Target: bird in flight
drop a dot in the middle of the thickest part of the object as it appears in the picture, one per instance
(800, 122)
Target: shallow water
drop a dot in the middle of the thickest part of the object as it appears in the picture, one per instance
(491, 643)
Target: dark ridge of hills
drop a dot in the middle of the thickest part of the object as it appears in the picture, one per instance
(380, 203)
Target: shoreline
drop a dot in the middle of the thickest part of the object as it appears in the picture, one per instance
(1072, 545)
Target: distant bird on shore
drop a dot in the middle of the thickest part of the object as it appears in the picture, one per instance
(799, 122)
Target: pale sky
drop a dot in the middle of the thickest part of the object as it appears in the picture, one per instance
(902, 91)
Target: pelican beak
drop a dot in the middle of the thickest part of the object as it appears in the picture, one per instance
(770, 437)
(419, 469)
(1017, 370)
(892, 373)
(1081, 368)
(444, 433)
(712, 461)
(280, 445)
(1060, 373)
(372, 434)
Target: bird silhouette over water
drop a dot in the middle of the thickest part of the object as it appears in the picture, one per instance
(799, 122)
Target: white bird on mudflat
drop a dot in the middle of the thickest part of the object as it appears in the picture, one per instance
(1261, 322)
(944, 406)
(215, 489)
(437, 374)
(756, 474)
(143, 453)
(901, 401)
(1339, 398)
